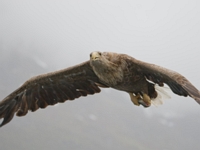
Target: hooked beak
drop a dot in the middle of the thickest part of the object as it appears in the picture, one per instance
(95, 55)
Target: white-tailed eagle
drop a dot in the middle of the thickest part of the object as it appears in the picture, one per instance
(107, 69)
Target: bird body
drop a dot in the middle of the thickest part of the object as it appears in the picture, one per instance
(119, 71)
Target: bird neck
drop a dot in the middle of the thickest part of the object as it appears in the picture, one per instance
(108, 72)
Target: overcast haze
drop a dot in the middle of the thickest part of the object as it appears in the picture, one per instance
(41, 36)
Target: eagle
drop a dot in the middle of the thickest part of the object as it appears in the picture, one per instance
(104, 69)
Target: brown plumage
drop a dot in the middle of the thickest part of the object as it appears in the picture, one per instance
(118, 71)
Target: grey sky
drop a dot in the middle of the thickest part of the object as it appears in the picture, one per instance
(57, 34)
(140, 28)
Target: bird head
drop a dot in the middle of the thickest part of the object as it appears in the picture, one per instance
(95, 56)
(98, 60)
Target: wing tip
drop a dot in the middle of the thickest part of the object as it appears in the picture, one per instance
(7, 109)
(2, 124)
(197, 99)
(6, 119)
(194, 93)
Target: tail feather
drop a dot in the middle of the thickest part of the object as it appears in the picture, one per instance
(162, 94)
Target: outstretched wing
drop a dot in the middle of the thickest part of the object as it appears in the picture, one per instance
(49, 89)
(178, 83)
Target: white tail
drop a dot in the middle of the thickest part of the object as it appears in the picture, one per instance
(162, 95)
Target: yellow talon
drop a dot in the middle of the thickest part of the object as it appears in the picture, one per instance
(146, 99)
(135, 98)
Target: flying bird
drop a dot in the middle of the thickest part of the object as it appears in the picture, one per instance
(104, 69)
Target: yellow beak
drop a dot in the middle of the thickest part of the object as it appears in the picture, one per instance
(94, 55)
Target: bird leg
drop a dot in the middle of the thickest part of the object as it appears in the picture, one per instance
(146, 98)
(135, 98)
(142, 99)
(145, 101)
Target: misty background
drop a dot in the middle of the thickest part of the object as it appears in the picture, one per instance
(46, 35)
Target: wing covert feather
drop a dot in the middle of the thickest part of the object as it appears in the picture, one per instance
(49, 89)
